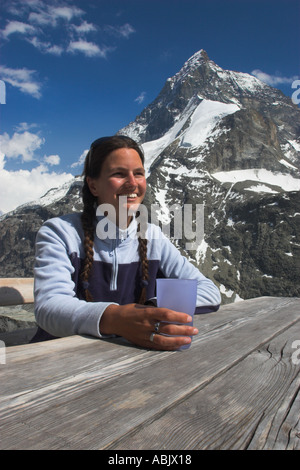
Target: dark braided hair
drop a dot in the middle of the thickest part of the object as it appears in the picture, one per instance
(145, 265)
(94, 160)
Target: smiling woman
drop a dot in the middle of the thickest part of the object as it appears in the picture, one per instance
(113, 170)
(122, 174)
(105, 286)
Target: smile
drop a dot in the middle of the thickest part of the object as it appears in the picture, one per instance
(130, 196)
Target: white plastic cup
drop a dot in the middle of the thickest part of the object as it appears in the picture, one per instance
(179, 295)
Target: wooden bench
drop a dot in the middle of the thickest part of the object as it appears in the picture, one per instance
(16, 292)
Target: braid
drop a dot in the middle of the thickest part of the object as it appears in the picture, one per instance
(87, 220)
(145, 266)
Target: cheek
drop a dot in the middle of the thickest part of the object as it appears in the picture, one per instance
(113, 186)
(107, 193)
(143, 186)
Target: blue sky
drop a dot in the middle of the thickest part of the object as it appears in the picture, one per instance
(76, 70)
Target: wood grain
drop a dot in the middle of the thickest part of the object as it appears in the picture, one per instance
(230, 412)
(235, 388)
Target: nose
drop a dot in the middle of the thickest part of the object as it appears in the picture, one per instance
(131, 180)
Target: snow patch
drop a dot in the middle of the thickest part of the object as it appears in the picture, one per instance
(261, 188)
(228, 292)
(284, 181)
(295, 144)
(238, 298)
(287, 164)
(204, 118)
(153, 148)
(201, 251)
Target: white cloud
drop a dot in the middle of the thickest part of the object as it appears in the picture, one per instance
(84, 28)
(45, 47)
(42, 18)
(88, 48)
(20, 145)
(65, 12)
(17, 27)
(52, 159)
(24, 126)
(19, 187)
(272, 80)
(50, 15)
(126, 30)
(141, 97)
(121, 31)
(39, 17)
(23, 79)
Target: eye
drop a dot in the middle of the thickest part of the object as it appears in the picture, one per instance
(140, 173)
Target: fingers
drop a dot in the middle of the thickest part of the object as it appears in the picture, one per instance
(172, 329)
(168, 343)
(170, 316)
(170, 336)
(169, 329)
(166, 315)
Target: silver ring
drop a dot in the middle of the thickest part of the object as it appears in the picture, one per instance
(156, 327)
(152, 337)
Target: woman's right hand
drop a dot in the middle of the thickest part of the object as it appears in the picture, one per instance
(136, 323)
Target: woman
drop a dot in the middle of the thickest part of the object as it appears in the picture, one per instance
(88, 282)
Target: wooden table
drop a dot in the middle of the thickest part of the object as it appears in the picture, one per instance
(237, 387)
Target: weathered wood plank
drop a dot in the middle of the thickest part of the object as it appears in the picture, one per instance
(254, 405)
(102, 397)
(15, 291)
(53, 361)
(31, 370)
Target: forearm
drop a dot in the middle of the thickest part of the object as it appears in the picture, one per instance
(62, 315)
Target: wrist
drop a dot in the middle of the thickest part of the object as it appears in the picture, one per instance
(108, 322)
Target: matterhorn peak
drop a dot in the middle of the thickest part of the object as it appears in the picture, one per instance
(198, 56)
(198, 60)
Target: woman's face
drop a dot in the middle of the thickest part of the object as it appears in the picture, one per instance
(122, 174)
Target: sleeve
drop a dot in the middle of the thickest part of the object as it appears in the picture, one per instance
(58, 311)
(175, 265)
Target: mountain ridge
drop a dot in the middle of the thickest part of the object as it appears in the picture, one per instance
(201, 76)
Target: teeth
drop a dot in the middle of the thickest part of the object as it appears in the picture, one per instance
(129, 195)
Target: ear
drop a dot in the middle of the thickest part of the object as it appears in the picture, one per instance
(92, 185)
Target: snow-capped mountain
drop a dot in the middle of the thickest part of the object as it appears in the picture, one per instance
(227, 120)
(230, 141)
(219, 138)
